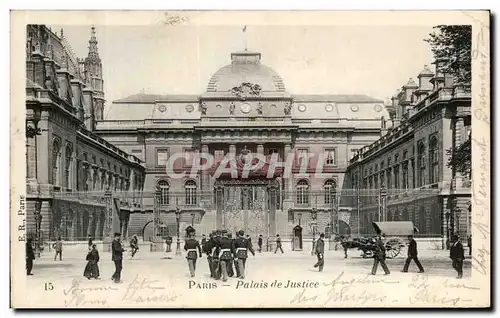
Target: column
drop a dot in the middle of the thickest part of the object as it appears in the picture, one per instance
(459, 139)
(260, 149)
(205, 180)
(232, 150)
(271, 192)
(287, 180)
(219, 198)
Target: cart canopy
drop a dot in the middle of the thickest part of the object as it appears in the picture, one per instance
(397, 228)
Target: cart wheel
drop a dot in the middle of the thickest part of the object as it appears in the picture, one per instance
(393, 252)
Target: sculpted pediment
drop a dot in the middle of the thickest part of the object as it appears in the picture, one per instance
(245, 90)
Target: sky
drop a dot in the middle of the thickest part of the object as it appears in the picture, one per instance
(327, 59)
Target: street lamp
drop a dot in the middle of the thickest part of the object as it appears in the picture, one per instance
(447, 215)
(299, 215)
(178, 218)
(38, 223)
(313, 225)
(158, 202)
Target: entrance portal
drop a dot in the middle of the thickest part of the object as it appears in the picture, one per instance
(248, 205)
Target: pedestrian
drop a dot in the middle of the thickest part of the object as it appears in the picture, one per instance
(30, 256)
(92, 268)
(320, 252)
(168, 242)
(208, 250)
(192, 248)
(90, 242)
(469, 244)
(259, 243)
(345, 244)
(457, 255)
(226, 254)
(216, 251)
(412, 255)
(278, 244)
(379, 256)
(134, 246)
(241, 246)
(230, 269)
(117, 257)
(58, 247)
(203, 242)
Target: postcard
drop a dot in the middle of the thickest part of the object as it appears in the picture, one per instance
(245, 159)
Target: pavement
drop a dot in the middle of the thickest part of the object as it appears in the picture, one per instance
(171, 272)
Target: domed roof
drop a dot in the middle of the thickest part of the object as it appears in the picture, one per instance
(245, 67)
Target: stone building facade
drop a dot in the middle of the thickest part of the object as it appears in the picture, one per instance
(245, 108)
(69, 167)
(404, 175)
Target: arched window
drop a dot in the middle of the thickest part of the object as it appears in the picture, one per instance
(56, 149)
(302, 192)
(421, 164)
(433, 160)
(67, 166)
(330, 191)
(164, 188)
(190, 188)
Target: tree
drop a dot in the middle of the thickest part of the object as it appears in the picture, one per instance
(460, 159)
(452, 45)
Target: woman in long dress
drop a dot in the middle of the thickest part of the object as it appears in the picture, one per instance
(92, 268)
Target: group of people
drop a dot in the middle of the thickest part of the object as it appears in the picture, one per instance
(222, 252)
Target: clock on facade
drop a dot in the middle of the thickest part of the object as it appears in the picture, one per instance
(329, 107)
(302, 108)
(354, 108)
(246, 108)
(162, 108)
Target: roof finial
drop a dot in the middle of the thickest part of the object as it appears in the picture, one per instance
(93, 43)
(62, 33)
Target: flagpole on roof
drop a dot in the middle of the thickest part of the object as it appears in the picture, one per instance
(244, 29)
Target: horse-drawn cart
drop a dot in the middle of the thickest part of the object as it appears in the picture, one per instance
(392, 231)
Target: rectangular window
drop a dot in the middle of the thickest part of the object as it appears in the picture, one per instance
(302, 156)
(189, 155)
(330, 157)
(218, 155)
(162, 156)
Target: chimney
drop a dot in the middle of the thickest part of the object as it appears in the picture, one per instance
(424, 84)
(441, 79)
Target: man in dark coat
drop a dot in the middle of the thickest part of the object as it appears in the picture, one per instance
(117, 257)
(230, 269)
(30, 256)
(259, 243)
(192, 247)
(207, 249)
(216, 251)
(457, 255)
(134, 246)
(379, 256)
(203, 242)
(278, 244)
(241, 246)
(225, 255)
(412, 255)
(90, 242)
(320, 252)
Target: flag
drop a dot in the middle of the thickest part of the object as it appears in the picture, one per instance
(244, 28)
